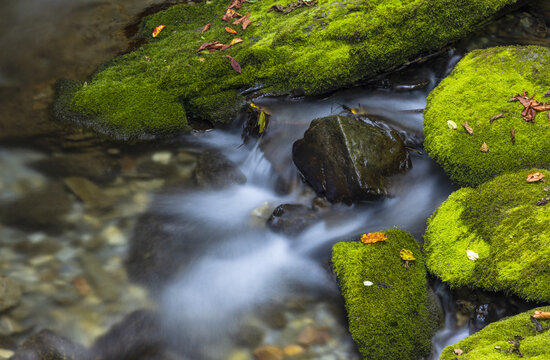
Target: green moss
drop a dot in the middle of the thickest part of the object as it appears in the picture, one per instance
(501, 222)
(318, 49)
(397, 316)
(481, 345)
(477, 89)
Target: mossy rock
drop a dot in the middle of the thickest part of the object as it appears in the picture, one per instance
(476, 90)
(156, 88)
(501, 222)
(481, 345)
(396, 317)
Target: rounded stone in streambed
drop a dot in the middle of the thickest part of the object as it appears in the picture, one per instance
(291, 219)
(347, 160)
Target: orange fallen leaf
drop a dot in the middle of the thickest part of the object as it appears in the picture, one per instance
(206, 28)
(230, 14)
(236, 4)
(534, 177)
(374, 237)
(81, 285)
(468, 128)
(157, 30)
(541, 315)
(229, 30)
(243, 21)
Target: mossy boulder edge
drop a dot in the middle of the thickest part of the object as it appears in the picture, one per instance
(476, 90)
(481, 345)
(156, 88)
(500, 221)
(396, 317)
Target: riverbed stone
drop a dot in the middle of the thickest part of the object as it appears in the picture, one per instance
(310, 51)
(291, 219)
(90, 194)
(477, 89)
(347, 160)
(93, 165)
(215, 171)
(10, 293)
(395, 317)
(495, 342)
(46, 345)
(268, 352)
(102, 281)
(502, 223)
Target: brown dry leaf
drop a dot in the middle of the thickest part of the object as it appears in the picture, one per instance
(157, 30)
(234, 64)
(229, 30)
(236, 4)
(458, 351)
(513, 134)
(534, 177)
(530, 106)
(374, 237)
(243, 21)
(81, 285)
(484, 147)
(147, 58)
(541, 314)
(468, 128)
(230, 14)
(235, 41)
(208, 45)
(501, 115)
(206, 28)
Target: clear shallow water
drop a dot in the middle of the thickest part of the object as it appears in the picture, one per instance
(238, 270)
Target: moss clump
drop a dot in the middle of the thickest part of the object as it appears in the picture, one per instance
(317, 49)
(396, 317)
(501, 222)
(478, 89)
(481, 345)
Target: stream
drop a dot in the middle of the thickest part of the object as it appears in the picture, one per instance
(153, 236)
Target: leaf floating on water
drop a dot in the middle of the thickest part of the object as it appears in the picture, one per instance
(206, 28)
(467, 127)
(484, 147)
(261, 122)
(374, 237)
(501, 115)
(234, 64)
(157, 30)
(472, 255)
(451, 124)
(513, 134)
(541, 314)
(368, 283)
(534, 177)
(229, 30)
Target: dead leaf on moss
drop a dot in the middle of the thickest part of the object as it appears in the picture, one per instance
(236, 4)
(534, 177)
(243, 21)
(451, 124)
(513, 134)
(468, 128)
(208, 45)
(472, 255)
(374, 237)
(157, 30)
(206, 28)
(484, 147)
(229, 30)
(501, 115)
(235, 41)
(541, 314)
(458, 351)
(406, 256)
(230, 14)
(530, 106)
(234, 64)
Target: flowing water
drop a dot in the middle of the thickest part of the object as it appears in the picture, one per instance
(218, 271)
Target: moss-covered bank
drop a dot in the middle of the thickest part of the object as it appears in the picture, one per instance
(313, 49)
(478, 89)
(491, 343)
(501, 221)
(396, 317)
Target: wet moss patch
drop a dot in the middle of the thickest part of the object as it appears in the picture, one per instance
(500, 221)
(478, 89)
(396, 316)
(312, 49)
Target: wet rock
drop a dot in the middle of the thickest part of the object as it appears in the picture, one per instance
(95, 166)
(483, 315)
(7, 343)
(137, 337)
(293, 350)
(347, 160)
(291, 219)
(310, 336)
(90, 194)
(268, 353)
(216, 171)
(156, 169)
(102, 281)
(42, 209)
(250, 336)
(6, 353)
(10, 326)
(274, 317)
(46, 345)
(10, 293)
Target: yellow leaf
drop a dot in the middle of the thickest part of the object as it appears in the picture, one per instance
(252, 105)
(451, 124)
(374, 237)
(261, 122)
(157, 30)
(406, 255)
(235, 41)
